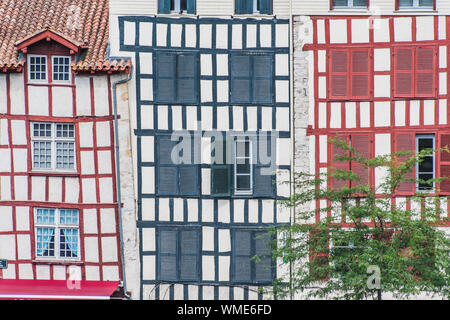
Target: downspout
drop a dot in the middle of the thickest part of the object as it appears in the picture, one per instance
(119, 196)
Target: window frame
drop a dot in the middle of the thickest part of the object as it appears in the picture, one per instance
(254, 10)
(69, 80)
(178, 255)
(349, 73)
(254, 233)
(236, 158)
(348, 6)
(46, 80)
(57, 226)
(414, 72)
(417, 172)
(252, 78)
(53, 139)
(415, 6)
(49, 69)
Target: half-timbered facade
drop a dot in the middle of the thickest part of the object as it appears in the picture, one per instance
(58, 199)
(213, 76)
(377, 77)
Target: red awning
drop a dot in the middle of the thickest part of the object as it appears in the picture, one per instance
(56, 289)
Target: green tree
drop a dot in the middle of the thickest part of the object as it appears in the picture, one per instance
(365, 244)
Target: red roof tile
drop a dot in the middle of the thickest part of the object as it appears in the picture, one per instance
(82, 22)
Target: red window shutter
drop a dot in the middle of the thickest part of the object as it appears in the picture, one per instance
(339, 74)
(360, 73)
(361, 145)
(405, 142)
(318, 253)
(336, 151)
(425, 71)
(403, 72)
(445, 163)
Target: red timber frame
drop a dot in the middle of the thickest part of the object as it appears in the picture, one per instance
(441, 131)
(80, 204)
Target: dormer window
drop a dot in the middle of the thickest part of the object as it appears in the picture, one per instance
(39, 69)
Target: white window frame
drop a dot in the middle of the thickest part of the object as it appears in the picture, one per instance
(53, 140)
(177, 7)
(52, 73)
(350, 5)
(417, 138)
(57, 226)
(235, 174)
(415, 6)
(29, 68)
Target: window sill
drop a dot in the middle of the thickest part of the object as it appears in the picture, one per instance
(58, 262)
(418, 10)
(359, 10)
(53, 174)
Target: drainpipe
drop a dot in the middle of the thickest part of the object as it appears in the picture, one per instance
(291, 98)
(119, 197)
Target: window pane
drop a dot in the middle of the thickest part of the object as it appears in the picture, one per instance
(61, 68)
(405, 3)
(45, 242)
(42, 154)
(426, 3)
(360, 3)
(243, 183)
(340, 3)
(68, 243)
(65, 155)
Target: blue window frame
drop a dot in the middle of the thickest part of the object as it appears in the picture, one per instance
(253, 6)
(178, 254)
(177, 78)
(175, 177)
(252, 78)
(246, 244)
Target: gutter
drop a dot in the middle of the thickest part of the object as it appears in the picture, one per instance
(119, 196)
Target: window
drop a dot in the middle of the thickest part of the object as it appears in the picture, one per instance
(415, 4)
(61, 68)
(53, 146)
(251, 78)
(178, 176)
(349, 74)
(247, 244)
(337, 4)
(42, 68)
(425, 169)
(236, 170)
(253, 6)
(179, 254)
(37, 68)
(57, 233)
(415, 71)
(177, 78)
(176, 6)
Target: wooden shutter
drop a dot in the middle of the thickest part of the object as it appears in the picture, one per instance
(243, 6)
(189, 180)
(240, 78)
(242, 256)
(425, 75)
(339, 74)
(403, 72)
(187, 91)
(405, 142)
(166, 77)
(262, 79)
(361, 145)
(221, 182)
(168, 254)
(265, 6)
(263, 268)
(163, 6)
(336, 151)
(444, 162)
(360, 73)
(191, 6)
(318, 253)
(189, 254)
(263, 184)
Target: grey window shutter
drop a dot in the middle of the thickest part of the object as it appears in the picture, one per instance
(263, 267)
(166, 76)
(265, 6)
(167, 254)
(166, 145)
(221, 180)
(189, 243)
(242, 243)
(163, 6)
(243, 6)
(240, 78)
(188, 177)
(263, 183)
(186, 78)
(242, 269)
(167, 180)
(191, 6)
(242, 259)
(262, 78)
